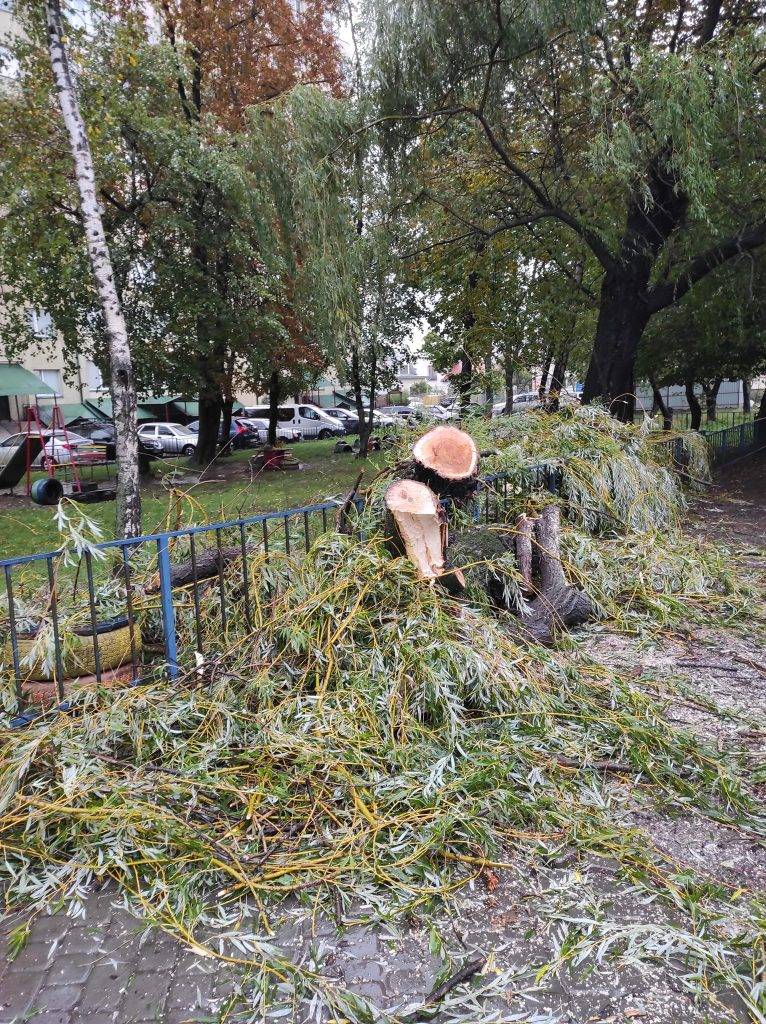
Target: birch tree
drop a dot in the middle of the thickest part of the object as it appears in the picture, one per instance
(122, 385)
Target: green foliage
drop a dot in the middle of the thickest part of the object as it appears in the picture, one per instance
(717, 331)
(397, 737)
(612, 146)
(222, 241)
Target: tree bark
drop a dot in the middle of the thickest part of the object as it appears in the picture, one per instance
(546, 370)
(123, 392)
(371, 405)
(489, 391)
(557, 379)
(465, 383)
(711, 399)
(622, 318)
(694, 407)
(275, 396)
(209, 429)
(659, 401)
(365, 421)
(508, 369)
(760, 417)
(746, 396)
(227, 411)
(547, 602)
(211, 373)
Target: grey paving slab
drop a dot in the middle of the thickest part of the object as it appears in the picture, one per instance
(109, 970)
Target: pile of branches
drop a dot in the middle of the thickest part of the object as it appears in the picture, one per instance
(377, 737)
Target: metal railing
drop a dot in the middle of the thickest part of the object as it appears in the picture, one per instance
(216, 555)
(177, 564)
(739, 439)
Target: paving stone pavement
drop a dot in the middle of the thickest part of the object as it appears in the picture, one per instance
(106, 968)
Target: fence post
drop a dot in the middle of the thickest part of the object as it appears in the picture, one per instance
(168, 611)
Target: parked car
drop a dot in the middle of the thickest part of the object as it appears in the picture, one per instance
(175, 438)
(349, 420)
(439, 412)
(312, 421)
(524, 400)
(241, 433)
(381, 419)
(59, 448)
(96, 430)
(402, 412)
(287, 434)
(104, 435)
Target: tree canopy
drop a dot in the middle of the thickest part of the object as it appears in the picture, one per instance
(622, 123)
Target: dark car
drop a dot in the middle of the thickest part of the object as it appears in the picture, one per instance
(101, 433)
(241, 433)
(348, 420)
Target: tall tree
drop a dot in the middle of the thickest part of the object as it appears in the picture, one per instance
(230, 57)
(374, 313)
(120, 362)
(622, 122)
(217, 233)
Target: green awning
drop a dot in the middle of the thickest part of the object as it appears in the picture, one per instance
(192, 408)
(103, 406)
(160, 400)
(188, 408)
(71, 412)
(15, 380)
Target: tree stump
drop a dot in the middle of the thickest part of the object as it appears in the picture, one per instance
(519, 570)
(537, 591)
(416, 526)
(446, 460)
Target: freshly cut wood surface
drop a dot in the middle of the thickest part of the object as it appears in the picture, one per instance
(416, 525)
(448, 453)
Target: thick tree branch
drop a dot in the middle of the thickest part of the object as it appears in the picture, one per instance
(594, 242)
(710, 21)
(748, 239)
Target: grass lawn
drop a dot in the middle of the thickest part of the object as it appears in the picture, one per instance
(172, 500)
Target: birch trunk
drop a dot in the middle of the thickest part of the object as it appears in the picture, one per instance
(121, 368)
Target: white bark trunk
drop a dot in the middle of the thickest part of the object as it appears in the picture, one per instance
(123, 387)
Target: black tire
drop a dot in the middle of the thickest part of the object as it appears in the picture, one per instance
(324, 433)
(188, 450)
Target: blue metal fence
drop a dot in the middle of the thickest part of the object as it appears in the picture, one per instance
(739, 439)
(221, 550)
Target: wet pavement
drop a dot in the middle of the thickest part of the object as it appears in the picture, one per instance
(105, 968)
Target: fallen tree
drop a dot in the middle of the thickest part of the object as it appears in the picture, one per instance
(354, 742)
(444, 465)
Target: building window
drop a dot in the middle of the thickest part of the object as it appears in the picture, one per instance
(40, 322)
(53, 379)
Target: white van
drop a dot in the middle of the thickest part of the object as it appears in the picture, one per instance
(312, 421)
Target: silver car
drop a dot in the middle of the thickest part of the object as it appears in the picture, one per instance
(175, 438)
(288, 434)
(58, 449)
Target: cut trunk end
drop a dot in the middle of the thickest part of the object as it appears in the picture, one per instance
(447, 460)
(447, 452)
(417, 527)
